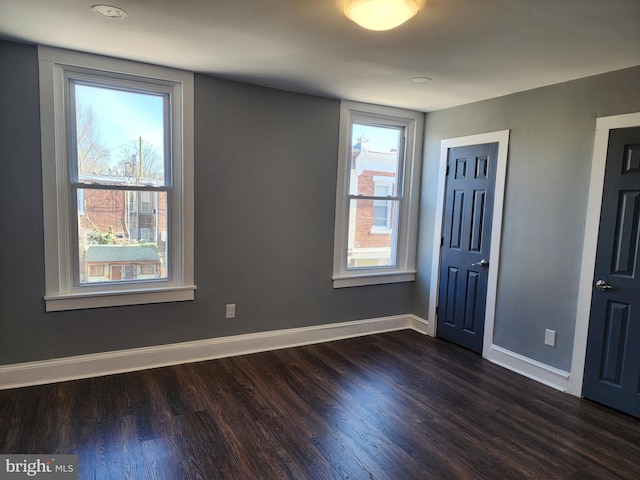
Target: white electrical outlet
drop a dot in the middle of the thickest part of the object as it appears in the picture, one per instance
(550, 337)
(231, 310)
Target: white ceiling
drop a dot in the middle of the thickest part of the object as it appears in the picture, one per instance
(472, 49)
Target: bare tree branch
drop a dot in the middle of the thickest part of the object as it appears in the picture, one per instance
(93, 157)
(152, 164)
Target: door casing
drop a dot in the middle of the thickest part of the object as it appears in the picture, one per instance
(502, 138)
(587, 269)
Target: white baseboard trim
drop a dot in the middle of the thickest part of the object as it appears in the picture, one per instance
(108, 363)
(550, 376)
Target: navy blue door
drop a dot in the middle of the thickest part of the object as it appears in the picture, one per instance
(464, 267)
(612, 364)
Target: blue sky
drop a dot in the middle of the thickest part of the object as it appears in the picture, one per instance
(123, 117)
(382, 139)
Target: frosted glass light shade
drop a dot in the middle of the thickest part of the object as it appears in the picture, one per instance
(381, 14)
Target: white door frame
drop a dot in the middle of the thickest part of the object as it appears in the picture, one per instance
(587, 269)
(502, 138)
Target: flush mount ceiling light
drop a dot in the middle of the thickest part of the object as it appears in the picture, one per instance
(381, 14)
(109, 11)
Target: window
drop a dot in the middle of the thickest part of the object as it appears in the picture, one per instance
(117, 155)
(377, 195)
(383, 217)
(145, 202)
(96, 270)
(145, 235)
(147, 269)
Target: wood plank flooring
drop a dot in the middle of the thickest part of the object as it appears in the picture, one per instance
(397, 405)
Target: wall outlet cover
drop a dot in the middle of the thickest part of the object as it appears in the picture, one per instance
(550, 337)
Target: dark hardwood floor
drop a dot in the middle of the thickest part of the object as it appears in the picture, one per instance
(391, 406)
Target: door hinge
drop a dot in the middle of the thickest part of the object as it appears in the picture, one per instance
(442, 241)
(436, 310)
(447, 171)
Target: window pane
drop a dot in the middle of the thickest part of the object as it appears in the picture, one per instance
(369, 244)
(375, 151)
(382, 190)
(381, 212)
(120, 136)
(118, 239)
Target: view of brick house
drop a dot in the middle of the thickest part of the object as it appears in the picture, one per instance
(372, 221)
(122, 234)
(122, 262)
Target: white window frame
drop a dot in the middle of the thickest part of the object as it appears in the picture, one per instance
(405, 268)
(62, 293)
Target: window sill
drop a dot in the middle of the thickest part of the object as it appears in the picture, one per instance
(78, 301)
(381, 231)
(370, 278)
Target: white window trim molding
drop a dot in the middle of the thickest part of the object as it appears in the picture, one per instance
(590, 245)
(405, 270)
(61, 293)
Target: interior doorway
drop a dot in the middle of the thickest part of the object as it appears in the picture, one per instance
(587, 273)
(465, 245)
(502, 140)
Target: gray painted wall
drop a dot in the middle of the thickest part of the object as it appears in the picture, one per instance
(550, 153)
(265, 165)
(265, 195)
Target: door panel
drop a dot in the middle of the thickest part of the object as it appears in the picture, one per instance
(471, 313)
(477, 219)
(468, 211)
(116, 272)
(612, 364)
(626, 241)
